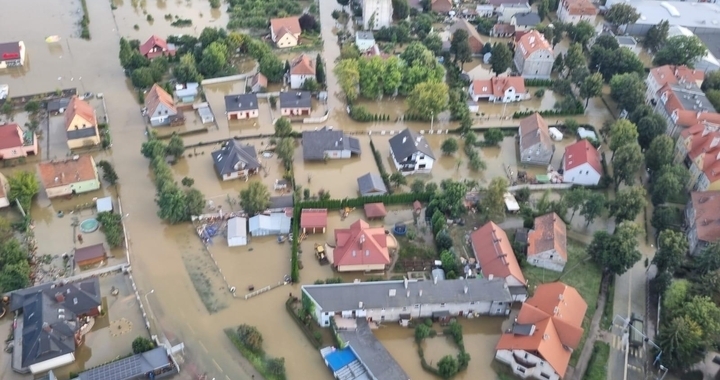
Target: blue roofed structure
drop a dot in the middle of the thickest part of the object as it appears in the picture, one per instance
(338, 359)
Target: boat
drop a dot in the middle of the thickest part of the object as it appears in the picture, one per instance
(52, 39)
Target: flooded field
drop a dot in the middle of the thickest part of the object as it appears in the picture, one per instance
(156, 17)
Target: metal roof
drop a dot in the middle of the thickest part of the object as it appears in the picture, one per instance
(407, 142)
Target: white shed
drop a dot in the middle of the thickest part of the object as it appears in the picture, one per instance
(104, 204)
(511, 203)
(237, 232)
(555, 134)
(206, 115)
(277, 223)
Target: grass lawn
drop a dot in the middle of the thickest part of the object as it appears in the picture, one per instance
(584, 275)
(597, 368)
(608, 315)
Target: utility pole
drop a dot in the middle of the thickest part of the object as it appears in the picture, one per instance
(627, 325)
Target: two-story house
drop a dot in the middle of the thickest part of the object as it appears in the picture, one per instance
(542, 338)
(157, 47)
(474, 39)
(234, 160)
(547, 243)
(285, 32)
(497, 259)
(536, 146)
(411, 153)
(684, 105)
(702, 220)
(582, 164)
(364, 40)
(669, 74)
(698, 148)
(574, 11)
(499, 89)
(376, 14)
(14, 142)
(81, 125)
(328, 144)
(160, 106)
(302, 68)
(241, 106)
(534, 56)
(12, 54)
(525, 21)
(507, 10)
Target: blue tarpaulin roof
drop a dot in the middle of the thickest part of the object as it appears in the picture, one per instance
(340, 358)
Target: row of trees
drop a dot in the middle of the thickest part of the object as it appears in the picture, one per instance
(14, 264)
(176, 204)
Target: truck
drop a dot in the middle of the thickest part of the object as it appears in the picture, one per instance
(636, 331)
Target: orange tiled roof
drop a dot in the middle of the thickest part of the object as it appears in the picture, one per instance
(81, 108)
(156, 96)
(151, 43)
(703, 146)
(671, 74)
(549, 233)
(531, 42)
(498, 85)
(580, 7)
(282, 26)
(10, 136)
(707, 220)
(685, 117)
(302, 65)
(361, 245)
(582, 152)
(494, 252)
(62, 173)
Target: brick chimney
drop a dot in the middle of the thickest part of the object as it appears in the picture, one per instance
(59, 297)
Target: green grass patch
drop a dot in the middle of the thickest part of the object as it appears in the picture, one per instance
(582, 274)
(608, 314)
(258, 359)
(597, 368)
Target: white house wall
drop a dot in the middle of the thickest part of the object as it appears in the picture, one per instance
(549, 259)
(584, 174)
(59, 191)
(337, 154)
(540, 368)
(4, 202)
(361, 268)
(297, 81)
(52, 363)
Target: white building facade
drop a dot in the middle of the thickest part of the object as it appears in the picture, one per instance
(377, 14)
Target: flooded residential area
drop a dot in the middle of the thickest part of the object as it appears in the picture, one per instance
(223, 189)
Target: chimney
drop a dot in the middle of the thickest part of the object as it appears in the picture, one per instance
(435, 278)
(420, 293)
(465, 289)
(405, 282)
(490, 277)
(59, 297)
(360, 305)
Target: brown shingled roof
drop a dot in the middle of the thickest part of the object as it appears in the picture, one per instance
(302, 65)
(375, 210)
(62, 173)
(549, 233)
(281, 26)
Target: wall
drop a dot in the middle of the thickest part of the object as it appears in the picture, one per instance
(315, 120)
(52, 363)
(286, 41)
(538, 65)
(58, 191)
(549, 260)
(83, 143)
(361, 268)
(584, 174)
(294, 111)
(541, 366)
(240, 115)
(536, 155)
(545, 186)
(297, 81)
(85, 186)
(337, 154)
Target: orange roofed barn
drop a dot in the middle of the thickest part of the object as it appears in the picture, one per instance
(81, 124)
(14, 142)
(72, 176)
(360, 248)
(497, 259)
(545, 333)
(547, 243)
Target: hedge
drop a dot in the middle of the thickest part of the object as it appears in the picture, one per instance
(381, 167)
(390, 199)
(537, 82)
(294, 260)
(336, 337)
(361, 114)
(522, 114)
(303, 327)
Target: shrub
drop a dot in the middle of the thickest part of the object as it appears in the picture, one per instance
(530, 82)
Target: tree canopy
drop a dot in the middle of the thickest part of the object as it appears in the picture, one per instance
(618, 252)
(255, 198)
(501, 58)
(680, 50)
(628, 203)
(622, 14)
(428, 99)
(628, 90)
(23, 187)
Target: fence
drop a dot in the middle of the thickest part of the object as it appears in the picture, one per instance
(545, 186)
(422, 132)
(315, 120)
(230, 78)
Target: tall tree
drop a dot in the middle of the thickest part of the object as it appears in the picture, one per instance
(543, 8)
(283, 127)
(581, 32)
(214, 59)
(593, 207)
(272, 67)
(618, 252)
(186, 70)
(348, 77)
(428, 99)
(591, 87)
(319, 70)
(501, 58)
(628, 203)
(669, 182)
(109, 173)
(460, 47)
(449, 146)
(285, 150)
(627, 90)
(255, 198)
(650, 127)
(680, 339)
(401, 9)
(622, 132)
(680, 50)
(574, 57)
(622, 14)
(672, 247)
(660, 153)
(656, 36)
(23, 188)
(627, 161)
(172, 204)
(175, 146)
(575, 199)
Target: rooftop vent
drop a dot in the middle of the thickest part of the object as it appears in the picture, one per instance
(391, 293)
(59, 297)
(360, 305)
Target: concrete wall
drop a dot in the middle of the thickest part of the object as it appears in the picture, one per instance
(584, 174)
(549, 260)
(545, 186)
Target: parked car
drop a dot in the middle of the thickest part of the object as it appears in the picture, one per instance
(87, 95)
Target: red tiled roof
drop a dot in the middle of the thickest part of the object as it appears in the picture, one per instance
(707, 221)
(557, 311)
(375, 210)
(313, 218)
(549, 233)
(580, 153)
(494, 252)
(259, 79)
(703, 146)
(10, 136)
(671, 74)
(302, 65)
(361, 245)
(62, 173)
(531, 42)
(282, 26)
(580, 7)
(498, 85)
(81, 108)
(151, 43)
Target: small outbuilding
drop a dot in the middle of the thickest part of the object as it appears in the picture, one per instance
(237, 232)
(313, 220)
(90, 255)
(206, 115)
(375, 210)
(104, 204)
(371, 184)
(276, 223)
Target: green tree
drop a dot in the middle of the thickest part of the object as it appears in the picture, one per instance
(449, 146)
(272, 67)
(680, 50)
(663, 218)
(11, 252)
(494, 201)
(669, 182)
(622, 132)
(283, 127)
(449, 261)
(471, 138)
(186, 70)
(660, 153)
(347, 72)
(501, 58)
(32, 107)
(109, 173)
(628, 203)
(172, 203)
(581, 32)
(542, 11)
(14, 276)
(417, 186)
(187, 182)
(142, 344)
(433, 42)
(319, 70)
(628, 90)
(618, 252)
(656, 36)
(392, 75)
(627, 161)
(460, 47)
(591, 87)
(349, 51)
(622, 14)
(706, 314)
(401, 9)
(285, 150)
(422, 332)
(371, 72)
(255, 198)
(276, 367)
(195, 202)
(214, 59)
(428, 99)
(176, 146)
(153, 148)
(574, 57)
(575, 198)
(672, 246)
(23, 187)
(398, 179)
(250, 337)
(492, 136)
(680, 340)
(708, 260)
(448, 367)
(142, 77)
(650, 127)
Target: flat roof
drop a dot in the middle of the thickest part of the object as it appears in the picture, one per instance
(104, 204)
(694, 15)
(129, 368)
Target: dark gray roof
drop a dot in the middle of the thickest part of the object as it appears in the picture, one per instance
(407, 142)
(295, 99)
(56, 104)
(283, 201)
(527, 19)
(375, 295)
(317, 143)
(371, 183)
(241, 102)
(371, 353)
(81, 133)
(232, 153)
(131, 368)
(50, 315)
(520, 329)
(517, 290)
(691, 97)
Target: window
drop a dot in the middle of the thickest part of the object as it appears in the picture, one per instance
(421, 157)
(442, 305)
(383, 309)
(416, 306)
(545, 376)
(521, 369)
(472, 302)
